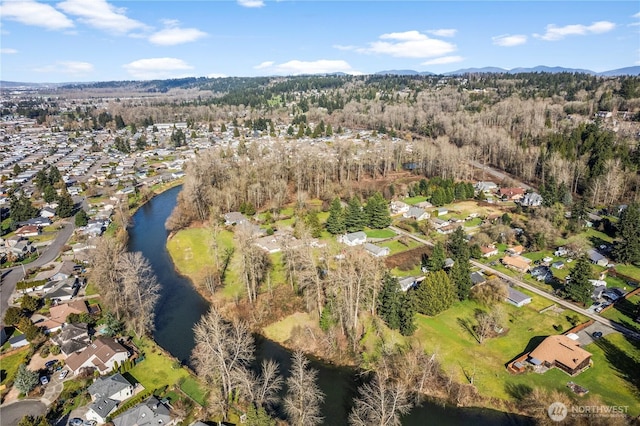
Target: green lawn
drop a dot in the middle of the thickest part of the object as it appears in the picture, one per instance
(157, 370)
(461, 355)
(629, 270)
(380, 233)
(625, 312)
(596, 237)
(396, 246)
(9, 364)
(415, 200)
(473, 222)
(193, 389)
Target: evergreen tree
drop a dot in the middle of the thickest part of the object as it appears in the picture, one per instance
(25, 379)
(49, 194)
(223, 128)
(120, 122)
(627, 249)
(258, 417)
(81, 218)
(329, 131)
(65, 205)
(460, 275)
(355, 219)
(313, 222)
(435, 294)
(407, 314)
(389, 301)
(236, 132)
(436, 261)
(21, 208)
(439, 197)
(336, 222)
(458, 245)
(377, 212)
(579, 288)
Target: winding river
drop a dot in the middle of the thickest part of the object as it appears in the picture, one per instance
(180, 307)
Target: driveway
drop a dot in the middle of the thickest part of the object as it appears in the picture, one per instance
(586, 334)
(10, 414)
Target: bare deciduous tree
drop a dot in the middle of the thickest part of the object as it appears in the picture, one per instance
(381, 402)
(223, 352)
(139, 292)
(303, 399)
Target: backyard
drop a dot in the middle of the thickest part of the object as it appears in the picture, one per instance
(447, 335)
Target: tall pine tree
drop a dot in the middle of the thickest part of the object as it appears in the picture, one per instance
(407, 314)
(438, 256)
(579, 288)
(335, 222)
(389, 301)
(355, 219)
(435, 294)
(377, 212)
(628, 247)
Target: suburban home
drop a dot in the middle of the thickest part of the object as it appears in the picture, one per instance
(102, 354)
(268, 244)
(560, 252)
(542, 273)
(72, 338)
(478, 278)
(150, 412)
(448, 229)
(58, 315)
(416, 213)
(558, 265)
(353, 239)
(61, 290)
(424, 205)
(409, 282)
(100, 409)
(488, 251)
(439, 223)
(399, 207)
(561, 352)
(234, 218)
(517, 298)
(597, 258)
(441, 211)
(28, 231)
(113, 387)
(486, 186)
(515, 249)
(517, 263)
(511, 194)
(47, 212)
(531, 199)
(375, 250)
(22, 248)
(18, 341)
(40, 222)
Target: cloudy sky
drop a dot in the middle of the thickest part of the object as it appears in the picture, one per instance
(98, 40)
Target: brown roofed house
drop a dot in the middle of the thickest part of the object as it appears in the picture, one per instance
(511, 194)
(102, 354)
(516, 262)
(562, 352)
(58, 315)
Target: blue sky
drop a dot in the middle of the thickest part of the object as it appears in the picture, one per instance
(98, 40)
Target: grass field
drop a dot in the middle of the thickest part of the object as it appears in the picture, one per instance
(462, 356)
(630, 271)
(157, 370)
(281, 331)
(397, 247)
(415, 200)
(380, 233)
(625, 312)
(9, 364)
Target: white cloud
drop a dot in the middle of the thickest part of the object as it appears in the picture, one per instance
(157, 68)
(555, 33)
(216, 75)
(101, 15)
(35, 14)
(444, 32)
(173, 36)
(408, 44)
(637, 15)
(507, 40)
(444, 60)
(296, 67)
(263, 65)
(251, 3)
(344, 47)
(8, 51)
(74, 68)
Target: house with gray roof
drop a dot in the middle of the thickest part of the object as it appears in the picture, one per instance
(353, 239)
(113, 387)
(597, 258)
(150, 412)
(100, 409)
(72, 338)
(234, 218)
(517, 298)
(416, 213)
(375, 250)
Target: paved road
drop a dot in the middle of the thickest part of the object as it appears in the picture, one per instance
(11, 414)
(604, 321)
(11, 276)
(498, 174)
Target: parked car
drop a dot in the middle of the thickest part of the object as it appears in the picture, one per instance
(597, 335)
(44, 380)
(50, 364)
(63, 374)
(76, 421)
(90, 423)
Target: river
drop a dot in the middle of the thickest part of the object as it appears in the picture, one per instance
(180, 307)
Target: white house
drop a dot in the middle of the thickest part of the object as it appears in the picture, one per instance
(416, 213)
(375, 250)
(517, 298)
(353, 239)
(102, 355)
(399, 207)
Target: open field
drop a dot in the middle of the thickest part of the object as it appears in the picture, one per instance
(625, 312)
(9, 364)
(462, 356)
(157, 370)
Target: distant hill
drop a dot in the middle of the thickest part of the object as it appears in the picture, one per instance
(622, 71)
(403, 72)
(484, 70)
(551, 70)
(19, 85)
